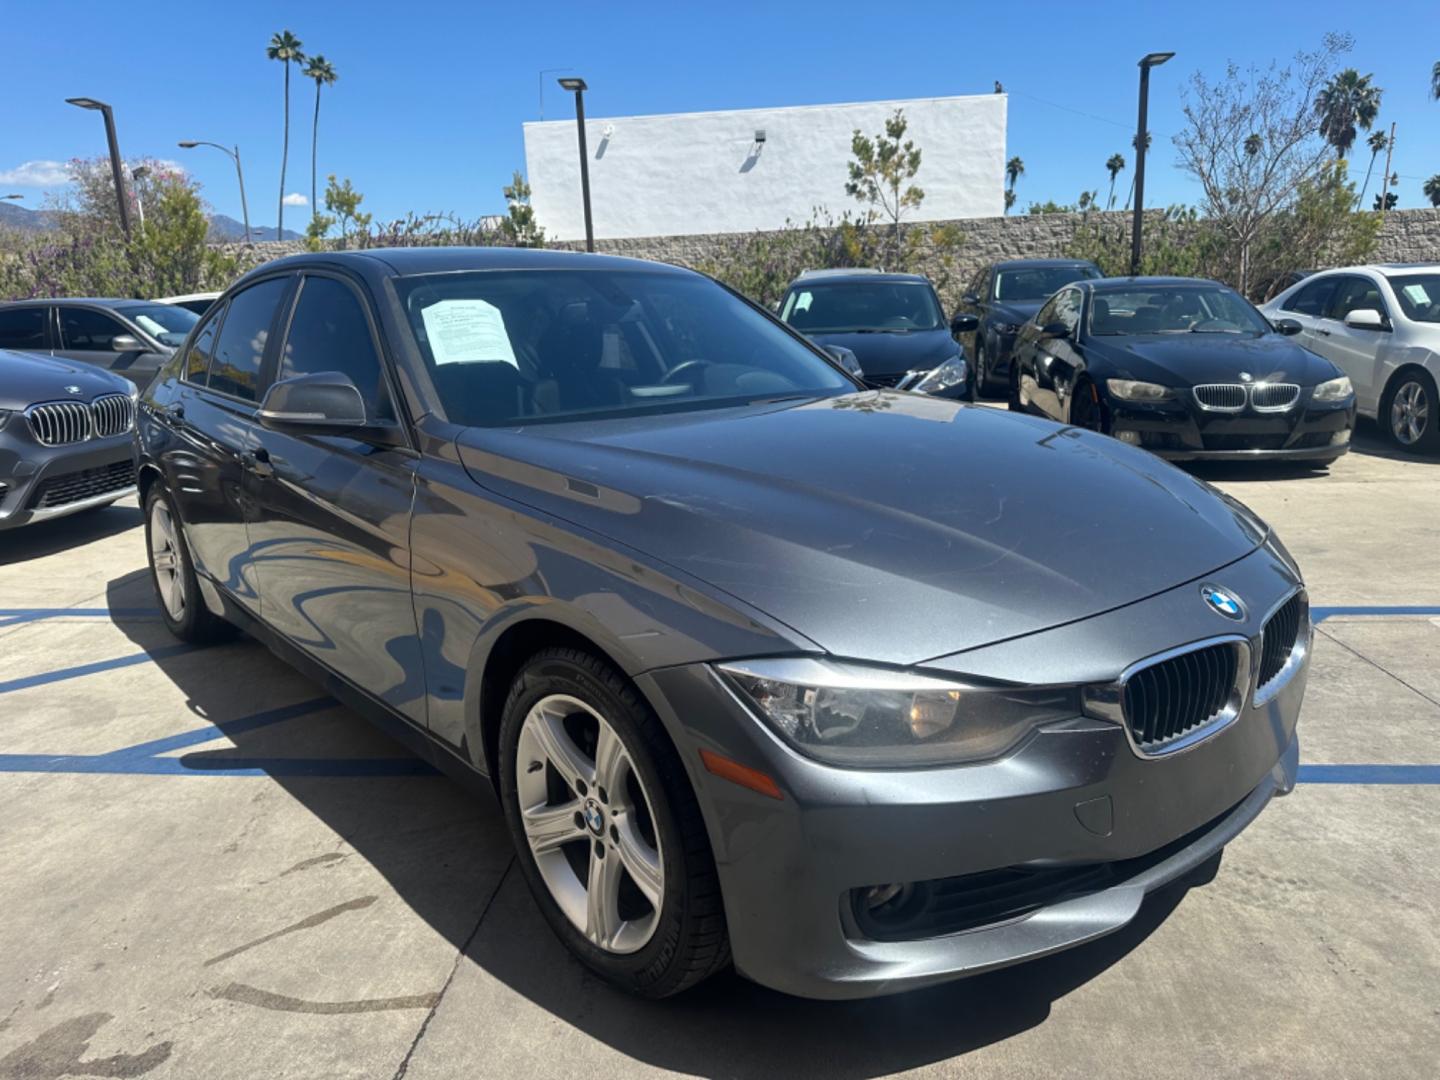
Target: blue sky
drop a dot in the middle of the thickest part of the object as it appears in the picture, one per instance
(428, 110)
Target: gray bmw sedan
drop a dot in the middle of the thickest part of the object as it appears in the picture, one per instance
(859, 690)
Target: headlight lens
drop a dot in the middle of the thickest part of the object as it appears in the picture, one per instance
(952, 372)
(1131, 390)
(863, 717)
(1333, 390)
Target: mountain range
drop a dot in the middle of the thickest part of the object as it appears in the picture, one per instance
(222, 226)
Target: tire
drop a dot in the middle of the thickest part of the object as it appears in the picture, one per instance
(1012, 397)
(1086, 410)
(172, 573)
(572, 833)
(1410, 413)
(984, 384)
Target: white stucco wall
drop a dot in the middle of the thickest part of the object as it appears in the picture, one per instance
(699, 172)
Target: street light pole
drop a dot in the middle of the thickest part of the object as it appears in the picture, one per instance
(116, 169)
(137, 174)
(578, 85)
(1141, 139)
(234, 155)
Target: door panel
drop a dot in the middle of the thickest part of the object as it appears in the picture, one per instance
(1356, 352)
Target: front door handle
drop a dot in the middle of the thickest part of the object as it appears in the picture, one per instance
(1322, 330)
(257, 461)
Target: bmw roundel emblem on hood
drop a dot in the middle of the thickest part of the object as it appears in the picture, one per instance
(72, 389)
(1222, 602)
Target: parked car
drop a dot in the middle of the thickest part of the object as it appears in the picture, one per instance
(1185, 368)
(132, 338)
(753, 674)
(1003, 297)
(65, 438)
(199, 302)
(1283, 282)
(893, 324)
(1381, 326)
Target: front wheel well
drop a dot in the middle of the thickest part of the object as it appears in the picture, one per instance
(147, 476)
(1399, 373)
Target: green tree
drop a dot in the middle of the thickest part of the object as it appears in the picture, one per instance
(321, 70)
(519, 226)
(881, 174)
(1115, 166)
(342, 200)
(1377, 142)
(284, 47)
(1346, 103)
(1432, 190)
(1014, 170)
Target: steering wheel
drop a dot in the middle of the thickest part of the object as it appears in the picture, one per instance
(684, 372)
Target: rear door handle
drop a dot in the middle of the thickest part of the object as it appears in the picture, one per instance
(258, 462)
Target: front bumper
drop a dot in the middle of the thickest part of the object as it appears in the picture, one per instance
(1074, 795)
(1180, 430)
(40, 482)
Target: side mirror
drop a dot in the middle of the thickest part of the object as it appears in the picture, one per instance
(1055, 330)
(970, 298)
(324, 403)
(1365, 319)
(964, 324)
(126, 343)
(846, 359)
(1288, 327)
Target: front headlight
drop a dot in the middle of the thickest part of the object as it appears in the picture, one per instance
(953, 372)
(1333, 390)
(864, 717)
(1131, 390)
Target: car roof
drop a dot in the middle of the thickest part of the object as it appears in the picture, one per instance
(94, 301)
(1121, 284)
(1039, 264)
(858, 273)
(440, 260)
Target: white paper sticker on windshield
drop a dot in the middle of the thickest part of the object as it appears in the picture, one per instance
(467, 331)
(1416, 294)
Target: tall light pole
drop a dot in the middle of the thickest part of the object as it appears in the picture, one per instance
(190, 144)
(578, 85)
(116, 169)
(137, 174)
(1154, 59)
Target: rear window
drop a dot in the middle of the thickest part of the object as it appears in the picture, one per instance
(1419, 296)
(243, 337)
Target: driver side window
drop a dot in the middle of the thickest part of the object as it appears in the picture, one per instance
(1356, 294)
(1067, 309)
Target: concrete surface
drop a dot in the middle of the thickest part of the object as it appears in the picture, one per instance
(209, 870)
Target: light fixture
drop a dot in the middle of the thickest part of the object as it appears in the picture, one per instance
(116, 169)
(573, 84)
(1155, 59)
(759, 136)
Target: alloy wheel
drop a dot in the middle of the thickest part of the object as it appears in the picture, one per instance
(1409, 413)
(165, 560)
(589, 823)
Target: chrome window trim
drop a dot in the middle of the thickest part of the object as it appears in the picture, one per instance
(1263, 695)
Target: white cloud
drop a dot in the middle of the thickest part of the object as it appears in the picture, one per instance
(40, 174)
(295, 199)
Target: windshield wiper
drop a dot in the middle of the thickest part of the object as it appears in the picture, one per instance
(1214, 330)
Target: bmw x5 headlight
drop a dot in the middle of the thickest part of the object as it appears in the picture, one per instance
(1131, 390)
(952, 372)
(1333, 390)
(870, 717)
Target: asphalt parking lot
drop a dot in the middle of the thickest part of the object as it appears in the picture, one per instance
(212, 870)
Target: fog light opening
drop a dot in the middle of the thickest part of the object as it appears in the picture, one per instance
(884, 910)
(1131, 438)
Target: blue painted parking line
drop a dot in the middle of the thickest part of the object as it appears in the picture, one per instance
(1320, 614)
(1370, 774)
(14, 616)
(46, 677)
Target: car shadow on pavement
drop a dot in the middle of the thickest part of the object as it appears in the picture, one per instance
(447, 856)
(61, 534)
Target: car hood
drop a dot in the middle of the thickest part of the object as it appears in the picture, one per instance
(884, 526)
(1187, 359)
(1016, 311)
(893, 354)
(27, 378)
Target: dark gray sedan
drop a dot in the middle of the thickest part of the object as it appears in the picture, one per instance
(132, 338)
(860, 690)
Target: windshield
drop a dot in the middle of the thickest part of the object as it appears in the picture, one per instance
(1419, 296)
(1038, 282)
(166, 323)
(1193, 309)
(858, 306)
(519, 347)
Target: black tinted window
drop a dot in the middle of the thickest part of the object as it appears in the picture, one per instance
(81, 328)
(241, 348)
(197, 360)
(329, 332)
(1313, 299)
(22, 328)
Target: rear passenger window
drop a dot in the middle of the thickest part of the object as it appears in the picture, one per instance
(197, 360)
(1313, 299)
(22, 328)
(82, 329)
(236, 367)
(329, 332)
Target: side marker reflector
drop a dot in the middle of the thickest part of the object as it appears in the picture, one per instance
(743, 775)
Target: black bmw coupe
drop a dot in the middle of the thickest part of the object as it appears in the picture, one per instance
(1185, 368)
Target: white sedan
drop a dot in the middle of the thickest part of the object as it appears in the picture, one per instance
(1381, 326)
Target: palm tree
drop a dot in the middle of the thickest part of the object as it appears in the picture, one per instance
(1014, 169)
(1435, 81)
(1135, 145)
(284, 47)
(1377, 142)
(1346, 103)
(1432, 190)
(319, 69)
(1115, 165)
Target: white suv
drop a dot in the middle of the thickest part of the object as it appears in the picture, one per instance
(1381, 326)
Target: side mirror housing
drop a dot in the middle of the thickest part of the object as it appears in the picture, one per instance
(325, 403)
(1055, 330)
(1365, 319)
(846, 359)
(1288, 327)
(126, 343)
(970, 298)
(964, 324)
